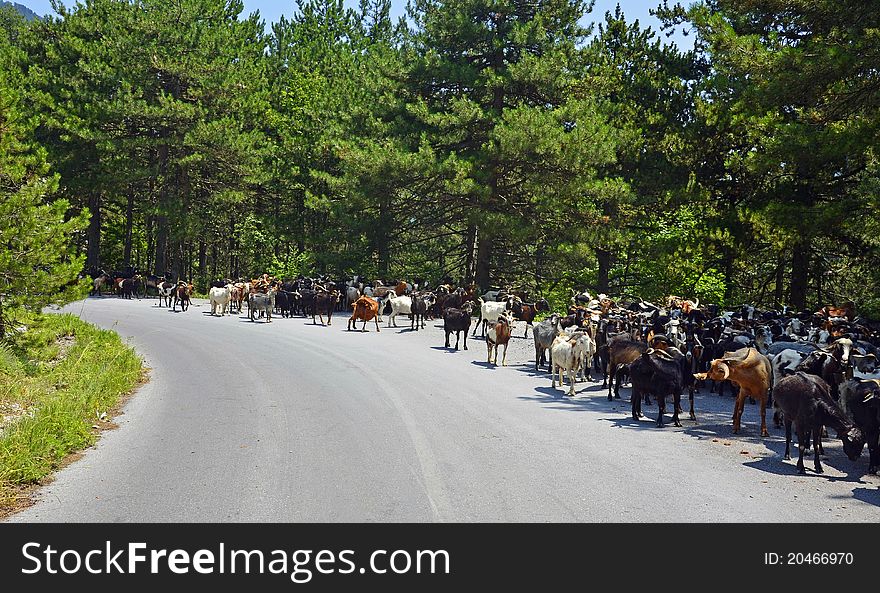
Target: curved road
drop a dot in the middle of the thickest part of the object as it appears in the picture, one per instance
(289, 422)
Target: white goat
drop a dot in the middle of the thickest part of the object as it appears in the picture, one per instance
(489, 312)
(586, 349)
(568, 353)
(399, 304)
(220, 297)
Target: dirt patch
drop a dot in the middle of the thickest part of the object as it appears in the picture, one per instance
(64, 343)
(10, 413)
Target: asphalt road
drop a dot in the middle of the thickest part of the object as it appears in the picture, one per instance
(289, 421)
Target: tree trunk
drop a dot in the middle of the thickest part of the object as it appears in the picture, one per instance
(203, 262)
(778, 293)
(383, 247)
(301, 221)
(161, 264)
(93, 252)
(540, 257)
(800, 272)
(214, 262)
(470, 239)
(129, 223)
(150, 246)
(483, 276)
(727, 265)
(176, 272)
(233, 269)
(483, 273)
(603, 259)
(383, 253)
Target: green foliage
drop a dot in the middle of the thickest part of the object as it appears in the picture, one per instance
(38, 262)
(485, 140)
(293, 266)
(58, 394)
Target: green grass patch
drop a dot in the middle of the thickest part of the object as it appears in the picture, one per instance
(56, 379)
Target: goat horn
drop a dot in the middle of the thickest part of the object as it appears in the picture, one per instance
(724, 369)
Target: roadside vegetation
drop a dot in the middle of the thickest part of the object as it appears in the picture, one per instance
(61, 383)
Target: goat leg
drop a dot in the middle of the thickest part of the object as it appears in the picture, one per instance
(802, 438)
(787, 455)
(611, 372)
(764, 432)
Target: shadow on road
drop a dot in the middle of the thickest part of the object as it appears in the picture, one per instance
(775, 464)
(450, 350)
(486, 365)
(869, 495)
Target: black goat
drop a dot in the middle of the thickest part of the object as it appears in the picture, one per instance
(421, 304)
(657, 373)
(860, 401)
(129, 286)
(576, 318)
(805, 400)
(325, 304)
(457, 320)
(824, 365)
(285, 302)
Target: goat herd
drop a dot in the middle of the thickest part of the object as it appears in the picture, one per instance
(816, 369)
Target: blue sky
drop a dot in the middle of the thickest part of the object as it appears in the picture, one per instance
(272, 9)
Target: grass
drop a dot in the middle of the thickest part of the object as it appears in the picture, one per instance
(57, 378)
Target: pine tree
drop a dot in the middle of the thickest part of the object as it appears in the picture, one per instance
(493, 82)
(38, 263)
(797, 84)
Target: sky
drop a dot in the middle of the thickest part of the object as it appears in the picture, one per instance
(270, 10)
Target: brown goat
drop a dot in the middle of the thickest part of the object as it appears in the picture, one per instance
(364, 309)
(499, 335)
(621, 351)
(751, 371)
